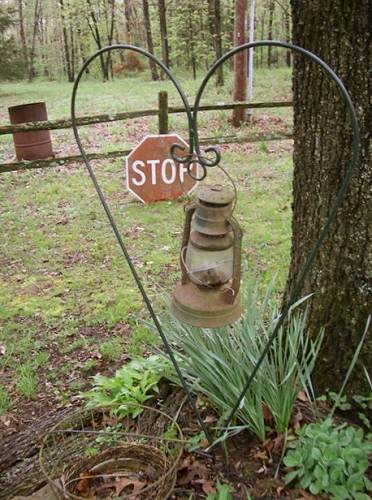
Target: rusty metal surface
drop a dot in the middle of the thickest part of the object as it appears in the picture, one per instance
(214, 206)
(215, 194)
(153, 175)
(207, 242)
(207, 307)
(34, 145)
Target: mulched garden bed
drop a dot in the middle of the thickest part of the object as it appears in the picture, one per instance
(247, 465)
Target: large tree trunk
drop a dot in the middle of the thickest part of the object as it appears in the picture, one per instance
(163, 33)
(240, 61)
(150, 45)
(341, 279)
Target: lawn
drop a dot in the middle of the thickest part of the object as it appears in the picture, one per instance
(69, 307)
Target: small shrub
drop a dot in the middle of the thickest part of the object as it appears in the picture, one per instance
(330, 460)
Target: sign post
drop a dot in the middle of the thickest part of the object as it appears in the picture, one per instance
(153, 175)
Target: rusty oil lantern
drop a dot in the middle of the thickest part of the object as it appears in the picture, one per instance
(208, 295)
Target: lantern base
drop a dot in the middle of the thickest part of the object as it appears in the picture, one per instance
(204, 307)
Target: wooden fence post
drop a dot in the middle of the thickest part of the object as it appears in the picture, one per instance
(163, 112)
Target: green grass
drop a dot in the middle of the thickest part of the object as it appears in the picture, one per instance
(4, 400)
(111, 350)
(27, 381)
(65, 290)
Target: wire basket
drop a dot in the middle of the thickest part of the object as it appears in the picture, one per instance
(92, 454)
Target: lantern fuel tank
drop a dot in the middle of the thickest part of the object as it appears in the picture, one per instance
(208, 295)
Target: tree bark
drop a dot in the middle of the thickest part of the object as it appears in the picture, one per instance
(270, 32)
(97, 38)
(287, 24)
(128, 22)
(240, 61)
(341, 278)
(150, 45)
(163, 33)
(110, 26)
(31, 69)
(214, 15)
(22, 33)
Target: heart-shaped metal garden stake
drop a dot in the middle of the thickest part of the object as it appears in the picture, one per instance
(204, 160)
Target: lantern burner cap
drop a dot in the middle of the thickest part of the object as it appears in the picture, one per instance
(215, 195)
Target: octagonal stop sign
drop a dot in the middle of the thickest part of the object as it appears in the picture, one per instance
(153, 175)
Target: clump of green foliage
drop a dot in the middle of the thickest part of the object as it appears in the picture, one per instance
(131, 386)
(218, 362)
(330, 460)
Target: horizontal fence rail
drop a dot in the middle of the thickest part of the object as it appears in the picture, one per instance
(162, 112)
(91, 120)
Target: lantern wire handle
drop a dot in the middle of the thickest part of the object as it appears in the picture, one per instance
(232, 182)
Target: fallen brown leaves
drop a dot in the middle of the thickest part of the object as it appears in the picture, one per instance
(192, 473)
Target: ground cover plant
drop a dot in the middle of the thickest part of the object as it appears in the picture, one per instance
(131, 386)
(330, 460)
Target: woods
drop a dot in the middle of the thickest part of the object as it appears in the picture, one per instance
(181, 35)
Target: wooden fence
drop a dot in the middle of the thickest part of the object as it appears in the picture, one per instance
(163, 111)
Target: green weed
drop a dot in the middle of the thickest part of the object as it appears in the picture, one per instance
(76, 344)
(27, 381)
(111, 350)
(141, 338)
(89, 365)
(4, 400)
(223, 492)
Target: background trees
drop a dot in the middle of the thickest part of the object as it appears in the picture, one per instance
(54, 37)
(341, 279)
(11, 56)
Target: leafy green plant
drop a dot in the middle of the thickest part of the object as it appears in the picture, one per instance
(223, 492)
(132, 385)
(341, 403)
(111, 435)
(330, 460)
(217, 362)
(364, 404)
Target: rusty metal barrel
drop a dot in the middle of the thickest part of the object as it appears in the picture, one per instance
(31, 145)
